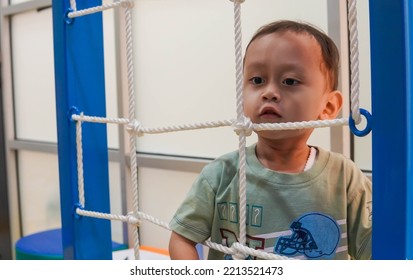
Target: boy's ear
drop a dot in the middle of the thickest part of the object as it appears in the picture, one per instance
(332, 106)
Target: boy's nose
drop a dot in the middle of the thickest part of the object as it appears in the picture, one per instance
(271, 94)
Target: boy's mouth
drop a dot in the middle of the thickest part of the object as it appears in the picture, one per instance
(270, 113)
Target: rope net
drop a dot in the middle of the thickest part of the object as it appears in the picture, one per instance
(242, 126)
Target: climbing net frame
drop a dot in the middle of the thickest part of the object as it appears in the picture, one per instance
(241, 125)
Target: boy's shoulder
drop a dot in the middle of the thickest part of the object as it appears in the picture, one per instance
(226, 166)
(341, 165)
(336, 158)
(221, 171)
(230, 160)
(226, 161)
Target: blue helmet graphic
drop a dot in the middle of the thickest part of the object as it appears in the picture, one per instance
(313, 234)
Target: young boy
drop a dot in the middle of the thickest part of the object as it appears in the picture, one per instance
(302, 202)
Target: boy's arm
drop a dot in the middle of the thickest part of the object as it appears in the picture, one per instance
(181, 248)
(360, 221)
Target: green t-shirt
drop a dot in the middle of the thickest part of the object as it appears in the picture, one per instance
(322, 213)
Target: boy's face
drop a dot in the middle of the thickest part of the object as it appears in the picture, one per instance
(284, 81)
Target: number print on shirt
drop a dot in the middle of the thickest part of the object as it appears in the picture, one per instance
(256, 216)
(229, 211)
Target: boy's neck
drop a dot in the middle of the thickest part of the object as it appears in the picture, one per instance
(283, 158)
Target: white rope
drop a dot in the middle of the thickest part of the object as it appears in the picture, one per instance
(136, 127)
(246, 126)
(354, 61)
(101, 8)
(238, 248)
(73, 5)
(79, 161)
(135, 219)
(132, 138)
(130, 218)
(300, 125)
(94, 119)
(241, 133)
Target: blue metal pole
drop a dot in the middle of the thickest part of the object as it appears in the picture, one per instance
(391, 25)
(79, 82)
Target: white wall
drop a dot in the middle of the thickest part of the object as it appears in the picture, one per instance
(33, 74)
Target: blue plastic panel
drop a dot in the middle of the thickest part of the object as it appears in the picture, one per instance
(79, 80)
(391, 57)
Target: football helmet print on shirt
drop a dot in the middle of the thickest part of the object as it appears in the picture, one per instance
(314, 235)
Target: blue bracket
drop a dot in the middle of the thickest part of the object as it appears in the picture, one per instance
(68, 20)
(367, 129)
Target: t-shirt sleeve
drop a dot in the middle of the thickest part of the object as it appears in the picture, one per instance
(360, 217)
(194, 217)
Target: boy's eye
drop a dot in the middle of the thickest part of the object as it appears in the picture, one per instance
(290, 82)
(257, 80)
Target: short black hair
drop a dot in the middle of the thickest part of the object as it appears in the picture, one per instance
(329, 50)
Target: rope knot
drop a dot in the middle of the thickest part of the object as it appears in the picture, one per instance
(127, 4)
(244, 125)
(238, 1)
(136, 127)
(131, 219)
(239, 251)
